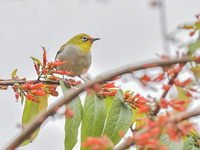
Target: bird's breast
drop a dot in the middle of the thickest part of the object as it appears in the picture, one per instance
(78, 61)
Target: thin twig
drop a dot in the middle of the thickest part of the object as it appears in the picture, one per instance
(30, 128)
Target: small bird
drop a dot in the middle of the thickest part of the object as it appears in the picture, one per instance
(77, 52)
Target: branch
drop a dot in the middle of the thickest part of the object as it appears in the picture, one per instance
(177, 118)
(29, 129)
(155, 112)
(12, 82)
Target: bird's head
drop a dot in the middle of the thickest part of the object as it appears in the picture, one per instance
(83, 41)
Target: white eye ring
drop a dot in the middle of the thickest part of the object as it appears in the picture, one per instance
(84, 39)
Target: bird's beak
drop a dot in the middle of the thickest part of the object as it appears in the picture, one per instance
(94, 39)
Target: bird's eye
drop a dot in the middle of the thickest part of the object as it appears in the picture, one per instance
(84, 39)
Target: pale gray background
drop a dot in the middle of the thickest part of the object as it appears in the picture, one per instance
(129, 32)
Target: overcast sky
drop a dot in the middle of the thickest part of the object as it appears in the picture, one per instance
(129, 32)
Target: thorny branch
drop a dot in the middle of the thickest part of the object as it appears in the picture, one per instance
(29, 129)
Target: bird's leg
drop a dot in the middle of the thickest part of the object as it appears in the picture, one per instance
(81, 78)
(64, 80)
(87, 78)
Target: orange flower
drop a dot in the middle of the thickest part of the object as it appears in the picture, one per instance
(27, 85)
(167, 87)
(116, 78)
(176, 82)
(145, 79)
(177, 104)
(57, 62)
(62, 72)
(97, 87)
(141, 100)
(54, 78)
(53, 93)
(109, 85)
(179, 68)
(126, 96)
(51, 87)
(31, 97)
(37, 86)
(44, 71)
(163, 103)
(172, 132)
(36, 68)
(183, 84)
(136, 96)
(143, 109)
(112, 93)
(159, 78)
(14, 88)
(192, 33)
(17, 95)
(39, 92)
(44, 57)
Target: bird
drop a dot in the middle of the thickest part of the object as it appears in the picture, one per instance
(77, 52)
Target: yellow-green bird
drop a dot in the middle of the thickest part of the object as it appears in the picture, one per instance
(77, 52)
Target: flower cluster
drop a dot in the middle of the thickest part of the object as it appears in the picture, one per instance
(137, 101)
(153, 129)
(30, 90)
(169, 72)
(106, 89)
(174, 103)
(48, 69)
(72, 82)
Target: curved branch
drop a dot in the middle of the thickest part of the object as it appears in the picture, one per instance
(29, 129)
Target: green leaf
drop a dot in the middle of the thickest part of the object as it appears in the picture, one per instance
(35, 59)
(72, 124)
(172, 145)
(31, 110)
(193, 46)
(119, 118)
(189, 143)
(108, 101)
(94, 115)
(14, 73)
